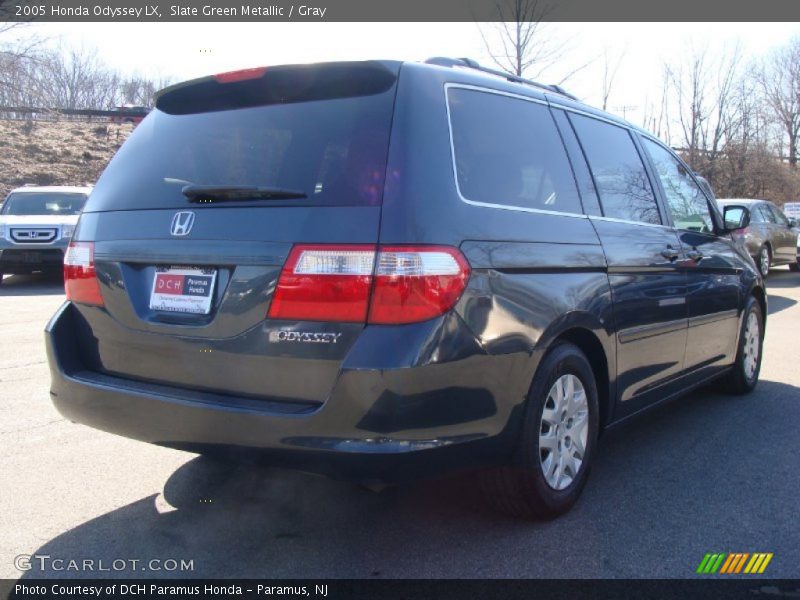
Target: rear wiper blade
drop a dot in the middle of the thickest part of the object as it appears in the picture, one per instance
(217, 193)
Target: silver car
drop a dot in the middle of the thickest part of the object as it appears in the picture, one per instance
(36, 225)
(770, 238)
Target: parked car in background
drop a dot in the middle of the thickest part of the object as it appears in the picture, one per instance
(129, 113)
(36, 225)
(402, 270)
(770, 238)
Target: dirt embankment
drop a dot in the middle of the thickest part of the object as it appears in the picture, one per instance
(56, 152)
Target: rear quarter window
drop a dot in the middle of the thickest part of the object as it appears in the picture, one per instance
(619, 174)
(507, 151)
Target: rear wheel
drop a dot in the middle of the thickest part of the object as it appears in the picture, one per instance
(744, 376)
(794, 267)
(764, 261)
(557, 443)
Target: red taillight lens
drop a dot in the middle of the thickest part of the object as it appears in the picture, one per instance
(324, 283)
(333, 283)
(416, 283)
(80, 278)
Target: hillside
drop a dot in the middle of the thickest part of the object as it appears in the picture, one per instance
(56, 152)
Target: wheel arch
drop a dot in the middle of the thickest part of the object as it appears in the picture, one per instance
(587, 333)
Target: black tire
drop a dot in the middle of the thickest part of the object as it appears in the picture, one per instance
(737, 381)
(794, 267)
(1, 277)
(521, 489)
(764, 260)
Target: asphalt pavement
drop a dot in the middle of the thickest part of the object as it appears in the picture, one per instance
(706, 473)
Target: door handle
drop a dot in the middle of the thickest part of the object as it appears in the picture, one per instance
(670, 253)
(695, 255)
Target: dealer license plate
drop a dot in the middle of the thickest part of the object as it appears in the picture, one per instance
(183, 289)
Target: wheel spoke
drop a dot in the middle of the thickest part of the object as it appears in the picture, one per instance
(548, 442)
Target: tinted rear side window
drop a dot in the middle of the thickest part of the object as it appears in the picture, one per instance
(508, 152)
(333, 150)
(619, 175)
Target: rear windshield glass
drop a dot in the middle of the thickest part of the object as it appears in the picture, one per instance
(333, 151)
(44, 203)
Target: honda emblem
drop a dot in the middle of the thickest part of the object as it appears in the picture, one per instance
(182, 223)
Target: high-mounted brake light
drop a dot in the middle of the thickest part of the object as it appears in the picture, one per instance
(388, 284)
(80, 278)
(241, 75)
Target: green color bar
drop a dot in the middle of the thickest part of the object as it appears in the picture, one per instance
(702, 566)
(718, 563)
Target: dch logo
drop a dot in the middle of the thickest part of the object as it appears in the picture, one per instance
(182, 223)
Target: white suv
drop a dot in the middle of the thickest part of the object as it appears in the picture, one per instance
(36, 225)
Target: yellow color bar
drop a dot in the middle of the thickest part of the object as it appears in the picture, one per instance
(754, 568)
(765, 563)
(751, 564)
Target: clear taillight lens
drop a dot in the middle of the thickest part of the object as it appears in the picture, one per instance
(80, 278)
(389, 285)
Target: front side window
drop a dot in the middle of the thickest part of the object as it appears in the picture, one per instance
(766, 214)
(780, 218)
(508, 152)
(687, 202)
(619, 175)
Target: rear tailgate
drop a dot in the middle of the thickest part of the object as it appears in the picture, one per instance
(187, 282)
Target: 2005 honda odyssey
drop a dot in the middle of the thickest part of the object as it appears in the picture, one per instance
(382, 270)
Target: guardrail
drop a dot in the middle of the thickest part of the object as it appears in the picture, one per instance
(51, 114)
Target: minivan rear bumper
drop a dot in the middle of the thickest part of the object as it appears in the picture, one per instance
(379, 424)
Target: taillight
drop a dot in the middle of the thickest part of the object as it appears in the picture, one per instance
(80, 278)
(416, 283)
(324, 283)
(404, 284)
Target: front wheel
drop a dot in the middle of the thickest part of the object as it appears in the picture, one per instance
(764, 261)
(744, 375)
(557, 443)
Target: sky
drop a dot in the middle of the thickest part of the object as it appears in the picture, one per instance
(185, 50)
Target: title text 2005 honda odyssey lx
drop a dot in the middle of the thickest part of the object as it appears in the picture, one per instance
(381, 270)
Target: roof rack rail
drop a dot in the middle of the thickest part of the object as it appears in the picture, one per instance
(471, 64)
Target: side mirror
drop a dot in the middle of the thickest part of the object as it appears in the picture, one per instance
(736, 217)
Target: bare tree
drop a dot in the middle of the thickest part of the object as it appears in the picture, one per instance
(16, 52)
(610, 70)
(780, 81)
(522, 43)
(702, 87)
(75, 78)
(140, 90)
